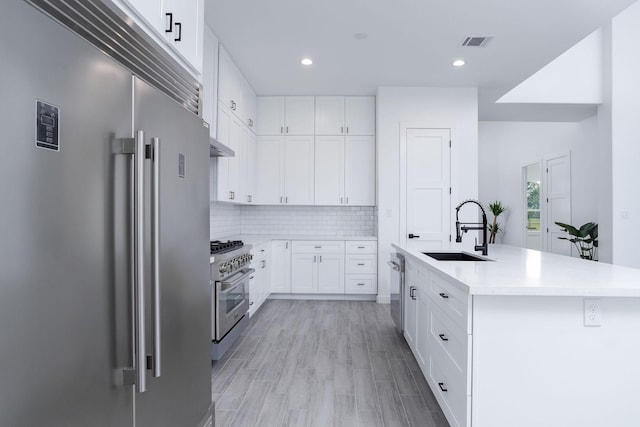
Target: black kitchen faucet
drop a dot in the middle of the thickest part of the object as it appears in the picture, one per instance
(473, 226)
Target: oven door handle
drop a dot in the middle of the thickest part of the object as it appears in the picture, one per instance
(229, 286)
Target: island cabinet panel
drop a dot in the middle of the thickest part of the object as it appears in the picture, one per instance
(534, 355)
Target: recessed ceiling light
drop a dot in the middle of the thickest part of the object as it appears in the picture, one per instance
(306, 61)
(360, 36)
(458, 63)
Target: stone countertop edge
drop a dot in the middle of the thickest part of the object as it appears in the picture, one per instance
(516, 271)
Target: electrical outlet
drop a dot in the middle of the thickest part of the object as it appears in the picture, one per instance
(592, 312)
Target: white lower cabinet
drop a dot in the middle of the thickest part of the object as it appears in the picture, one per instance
(438, 331)
(361, 267)
(317, 267)
(259, 281)
(281, 266)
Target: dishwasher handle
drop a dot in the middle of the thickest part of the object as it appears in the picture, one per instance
(394, 265)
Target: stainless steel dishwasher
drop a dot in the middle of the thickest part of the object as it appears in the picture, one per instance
(396, 262)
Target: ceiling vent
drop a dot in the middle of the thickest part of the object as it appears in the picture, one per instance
(476, 41)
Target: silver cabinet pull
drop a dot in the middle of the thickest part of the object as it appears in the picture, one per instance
(317, 247)
(360, 247)
(264, 264)
(138, 262)
(346, 200)
(341, 200)
(281, 129)
(250, 123)
(347, 129)
(280, 199)
(341, 129)
(286, 245)
(314, 258)
(360, 264)
(287, 129)
(394, 265)
(320, 258)
(286, 199)
(155, 255)
(360, 284)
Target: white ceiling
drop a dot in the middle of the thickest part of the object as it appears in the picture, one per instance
(409, 43)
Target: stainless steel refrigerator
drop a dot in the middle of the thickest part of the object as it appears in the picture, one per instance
(105, 301)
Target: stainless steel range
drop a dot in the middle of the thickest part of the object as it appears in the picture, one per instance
(230, 275)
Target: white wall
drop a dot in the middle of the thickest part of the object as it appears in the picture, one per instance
(435, 107)
(507, 146)
(625, 135)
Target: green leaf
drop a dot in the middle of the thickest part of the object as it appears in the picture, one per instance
(568, 228)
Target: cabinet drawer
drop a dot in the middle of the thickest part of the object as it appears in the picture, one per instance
(260, 251)
(362, 247)
(448, 339)
(317, 247)
(361, 264)
(450, 391)
(361, 284)
(452, 300)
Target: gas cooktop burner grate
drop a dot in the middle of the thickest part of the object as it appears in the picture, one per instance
(218, 247)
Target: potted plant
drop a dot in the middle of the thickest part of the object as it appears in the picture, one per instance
(496, 209)
(584, 238)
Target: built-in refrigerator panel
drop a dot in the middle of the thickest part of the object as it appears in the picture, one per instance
(181, 396)
(64, 249)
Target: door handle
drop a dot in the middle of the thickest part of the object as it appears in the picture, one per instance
(413, 236)
(442, 387)
(138, 262)
(179, 38)
(169, 28)
(155, 254)
(443, 337)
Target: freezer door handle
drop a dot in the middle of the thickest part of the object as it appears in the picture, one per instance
(138, 262)
(155, 254)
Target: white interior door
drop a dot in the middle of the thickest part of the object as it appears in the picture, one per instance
(428, 186)
(558, 202)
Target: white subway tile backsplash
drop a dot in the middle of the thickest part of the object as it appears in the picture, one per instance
(229, 220)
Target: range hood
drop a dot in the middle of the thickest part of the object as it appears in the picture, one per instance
(218, 149)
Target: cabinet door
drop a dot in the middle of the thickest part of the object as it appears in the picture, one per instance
(298, 170)
(210, 81)
(270, 113)
(188, 29)
(226, 71)
(248, 105)
(331, 273)
(360, 171)
(281, 266)
(360, 115)
(422, 323)
(254, 293)
(410, 309)
(304, 273)
(235, 163)
(248, 162)
(265, 288)
(299, 115)
(329, 170)
(330, 115)
(269, 170)
(224, 136)
(150, 11)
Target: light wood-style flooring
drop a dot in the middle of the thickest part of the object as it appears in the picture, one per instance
(322, 363)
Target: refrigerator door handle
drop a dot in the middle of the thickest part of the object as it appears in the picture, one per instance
(155, 254)
(138, 255)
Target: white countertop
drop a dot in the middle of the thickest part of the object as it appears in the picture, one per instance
(518, 271)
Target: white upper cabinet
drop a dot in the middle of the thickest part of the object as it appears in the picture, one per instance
(299, 115)
(329, 170)
(234, 92)
(284, 172)
(177, 24)
(285, 115)
(248, 167)
(229, 168)
(210, 81)
(360, 171)
(330, 115)
(345, 170)
(345, 115)
(270, 110)
(360, 115)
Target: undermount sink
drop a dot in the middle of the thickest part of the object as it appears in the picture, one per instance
(453, 256)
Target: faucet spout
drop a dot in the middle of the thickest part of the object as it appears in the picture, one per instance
(464, 227)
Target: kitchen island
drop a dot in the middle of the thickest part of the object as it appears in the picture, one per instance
(526, 338)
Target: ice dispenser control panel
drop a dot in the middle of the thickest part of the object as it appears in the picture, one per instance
(47, 126)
